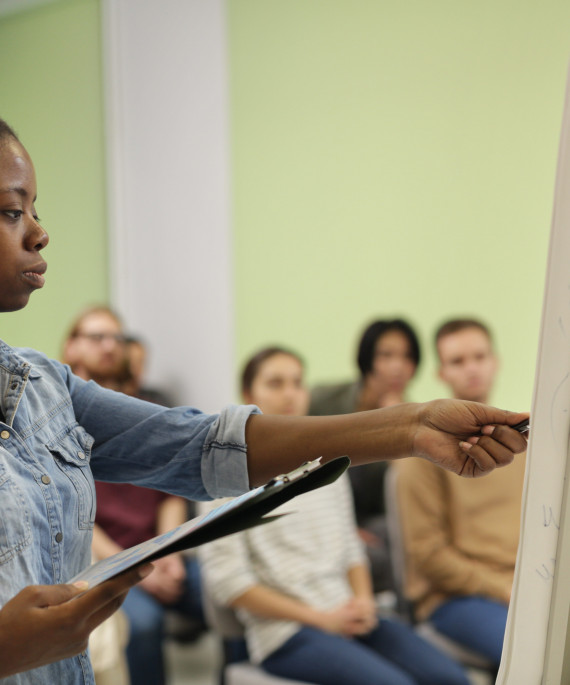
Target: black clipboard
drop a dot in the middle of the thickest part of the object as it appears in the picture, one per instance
(240, 513)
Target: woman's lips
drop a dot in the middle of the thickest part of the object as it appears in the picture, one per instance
(35, 277)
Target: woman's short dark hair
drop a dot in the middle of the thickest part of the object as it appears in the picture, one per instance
(374, 332)
(7, 131)
(252, 367)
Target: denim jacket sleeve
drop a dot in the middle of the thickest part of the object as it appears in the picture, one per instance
(181, 450)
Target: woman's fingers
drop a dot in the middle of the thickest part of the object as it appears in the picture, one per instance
(510, 438)
(103, 600)
(485, 455)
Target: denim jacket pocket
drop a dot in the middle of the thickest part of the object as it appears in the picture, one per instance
(72, 454)
(15, 528)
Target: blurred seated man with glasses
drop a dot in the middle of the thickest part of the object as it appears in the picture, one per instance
(96, 349)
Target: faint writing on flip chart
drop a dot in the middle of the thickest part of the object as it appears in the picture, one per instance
(558, 415)
(548, 517)
(549, 520)
(546, 571)
(559, 397)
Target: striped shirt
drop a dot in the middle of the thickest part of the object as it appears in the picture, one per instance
(306, 555)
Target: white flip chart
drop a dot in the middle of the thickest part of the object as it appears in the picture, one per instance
(535, 650)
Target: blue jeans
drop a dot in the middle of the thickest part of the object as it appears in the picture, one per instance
(475, 622)
(392, 654)
(146, 624)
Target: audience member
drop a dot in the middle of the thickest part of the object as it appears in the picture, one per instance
(388, 357)
(127, 514)
(95, 348)
(461, 542)
(301, 585)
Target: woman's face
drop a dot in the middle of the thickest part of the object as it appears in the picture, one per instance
(21, 237)
(393, 366)
(278, 387)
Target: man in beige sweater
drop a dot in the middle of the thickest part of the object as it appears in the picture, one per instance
(461, 537)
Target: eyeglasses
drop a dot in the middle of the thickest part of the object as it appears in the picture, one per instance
(98, 338)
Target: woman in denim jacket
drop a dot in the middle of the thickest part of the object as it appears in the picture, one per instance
(57, 432)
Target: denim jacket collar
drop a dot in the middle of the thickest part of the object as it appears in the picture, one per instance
(14, 374)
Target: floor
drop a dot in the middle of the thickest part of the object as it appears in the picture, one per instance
(480, 678)
(196, 663)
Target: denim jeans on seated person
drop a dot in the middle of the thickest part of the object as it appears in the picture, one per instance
(474, 622)
(391, 654)
(146, 617)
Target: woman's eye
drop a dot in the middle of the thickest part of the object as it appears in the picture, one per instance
(13, 213)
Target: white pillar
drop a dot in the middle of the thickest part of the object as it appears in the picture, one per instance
(166, 96)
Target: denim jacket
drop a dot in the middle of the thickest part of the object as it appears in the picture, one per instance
(59, 433)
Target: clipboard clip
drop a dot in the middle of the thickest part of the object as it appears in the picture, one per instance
(305, 468)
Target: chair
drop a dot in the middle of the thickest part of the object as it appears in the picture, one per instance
(246, 673)
(224, 622)
(465, 656)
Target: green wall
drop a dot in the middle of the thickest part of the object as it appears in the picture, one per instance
(394, 158)
(50, 83)
(388, 159)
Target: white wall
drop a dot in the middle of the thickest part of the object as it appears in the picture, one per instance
(168, 166)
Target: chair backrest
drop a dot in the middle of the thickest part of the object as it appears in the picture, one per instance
(220, 618)
(248, 674)
(405, 607)
(398, 559)
(394, 527)
(223, 620)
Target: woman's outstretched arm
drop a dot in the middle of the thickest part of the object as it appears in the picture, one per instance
(468, 438)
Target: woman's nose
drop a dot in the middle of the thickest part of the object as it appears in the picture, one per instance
(36, 237)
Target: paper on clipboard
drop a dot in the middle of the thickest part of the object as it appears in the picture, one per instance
(246, 511)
